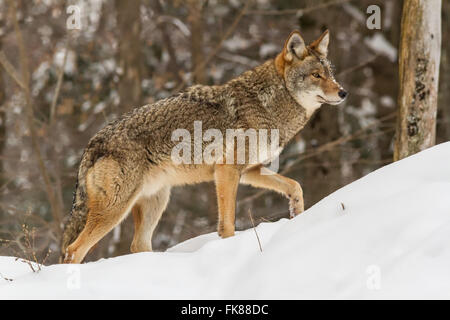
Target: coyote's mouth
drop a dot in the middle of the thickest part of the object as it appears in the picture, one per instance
(323, 100)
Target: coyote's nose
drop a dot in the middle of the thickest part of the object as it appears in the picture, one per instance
(342, 93)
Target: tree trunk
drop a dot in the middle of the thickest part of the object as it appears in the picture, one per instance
(197, 57)
(443, 128)
(2, 128)
(419, 58)
(130, 57)
(2, 116)
(167, 42)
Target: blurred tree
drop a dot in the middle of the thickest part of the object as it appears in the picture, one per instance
(129, 54)
(2, 114)
(195, 19)
(443, 126)
(420, 50)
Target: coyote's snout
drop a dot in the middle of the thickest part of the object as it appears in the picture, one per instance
(127, 166)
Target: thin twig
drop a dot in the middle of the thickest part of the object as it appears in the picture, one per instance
(25, 241)
(361, 135)
(300, 11)
(58, 84)
(28, 262)
(275, 216)
(49, 251)
(5, 278)
(358, 66)
(9, 68)
(253, 224)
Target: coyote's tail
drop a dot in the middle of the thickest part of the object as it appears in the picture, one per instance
(79, 211)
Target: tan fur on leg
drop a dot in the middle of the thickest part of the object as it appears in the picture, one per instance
(98, 224)
(109, 200)
(227, 181)
(286, 186)
(146, 213)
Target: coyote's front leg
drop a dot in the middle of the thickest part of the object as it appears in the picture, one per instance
(273, 181)
(226, 178)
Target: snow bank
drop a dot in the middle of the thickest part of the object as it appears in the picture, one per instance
(385, 236)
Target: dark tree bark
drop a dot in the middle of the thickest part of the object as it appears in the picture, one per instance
(167, 41)
(443, 128)
(419, 58)
(197, 56)
(130, 56)
(2, 116)
(2, 125)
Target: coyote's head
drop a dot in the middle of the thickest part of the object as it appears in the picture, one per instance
(307, 72)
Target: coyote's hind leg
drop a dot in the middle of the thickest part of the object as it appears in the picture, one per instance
(146, 213)
(110, 195)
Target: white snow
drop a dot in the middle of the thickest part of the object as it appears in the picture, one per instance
(268, 49)
(237, 43)
(379, 44)
(391, 241)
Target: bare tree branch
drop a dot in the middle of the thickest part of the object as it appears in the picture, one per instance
(55, 207)
(173, 65)
(58, 84)
(9, 68)
(295, 11)
(358, 66)
(216, 49)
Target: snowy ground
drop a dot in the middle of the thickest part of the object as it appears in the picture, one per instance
(392, 240)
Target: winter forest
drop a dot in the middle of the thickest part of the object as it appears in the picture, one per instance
(67, 68)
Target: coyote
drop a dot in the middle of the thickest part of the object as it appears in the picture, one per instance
(127, 165)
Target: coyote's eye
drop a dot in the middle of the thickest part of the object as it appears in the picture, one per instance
(316, 75)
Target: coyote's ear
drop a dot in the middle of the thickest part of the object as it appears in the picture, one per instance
(321, 44)
(294, 47)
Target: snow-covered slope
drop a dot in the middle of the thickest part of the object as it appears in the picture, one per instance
(392, 240)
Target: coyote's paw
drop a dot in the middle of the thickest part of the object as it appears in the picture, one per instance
(296, 205)
(68, 258)
(225, 231)
(220, 229)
